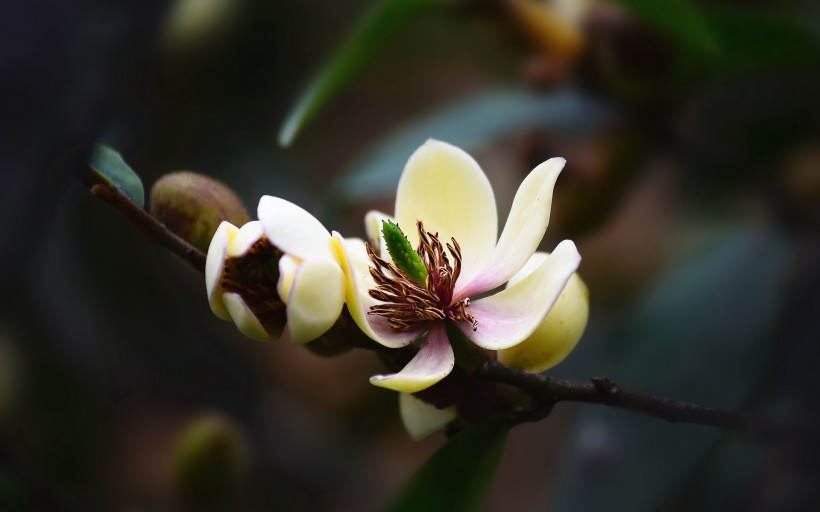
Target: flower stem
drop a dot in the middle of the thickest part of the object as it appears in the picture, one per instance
(148, 224)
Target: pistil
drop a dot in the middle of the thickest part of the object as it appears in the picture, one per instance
(406, 303)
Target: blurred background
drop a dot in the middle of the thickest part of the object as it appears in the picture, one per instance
(692, 134)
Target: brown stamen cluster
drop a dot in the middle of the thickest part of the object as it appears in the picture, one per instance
(247, 276)
(407, 303)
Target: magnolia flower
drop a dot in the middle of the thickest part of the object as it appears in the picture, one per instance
(275, 273)
(446, 197)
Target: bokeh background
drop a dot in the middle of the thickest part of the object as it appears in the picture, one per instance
(692, 134)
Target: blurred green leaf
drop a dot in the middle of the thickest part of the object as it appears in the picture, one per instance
(677, 18)
(108, 164)
(378, 24)
(753, 40)
(456, 477)
(701, 335)
(469, 124)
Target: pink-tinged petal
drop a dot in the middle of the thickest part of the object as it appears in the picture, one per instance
(214, 265)
(352, 257)
(557, 335)
(446, 189)
(293, 230)
(244, 239)
(421, 419)
(244, 318)
(316, 299)
(510, 316)
(434, 361)
(525, 227)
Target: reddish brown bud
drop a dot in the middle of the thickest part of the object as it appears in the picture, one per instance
(193, 206)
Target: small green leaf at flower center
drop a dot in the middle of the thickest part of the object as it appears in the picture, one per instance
(403, 254)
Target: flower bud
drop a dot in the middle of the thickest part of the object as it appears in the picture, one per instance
(192, 206)
(210, 459)
(557, 335)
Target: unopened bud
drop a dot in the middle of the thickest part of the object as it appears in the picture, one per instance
(557, 335)
(192, 206)
(210, 460)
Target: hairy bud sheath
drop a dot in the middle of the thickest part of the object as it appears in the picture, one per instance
(192, 206)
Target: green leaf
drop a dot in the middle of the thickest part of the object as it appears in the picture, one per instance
(456, 477)
(378, 24)
(677, 18)
(702, 335)
(108, 164)
(403, 254)
(470, 124)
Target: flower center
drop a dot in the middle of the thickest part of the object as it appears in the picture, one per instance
(407, 303)
(254, 276)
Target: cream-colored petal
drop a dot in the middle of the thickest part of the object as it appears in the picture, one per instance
(287, 270)
(244, 319)
(373, 227)
(421, 419)
(558, 334)
(433, 362)
(353, 259)
(247, 235)
(316, 299)
(512, 315)
(525, 227)
(446, 189)
(214, 264)
(293, 230)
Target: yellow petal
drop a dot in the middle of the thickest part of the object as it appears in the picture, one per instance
(293, 230)
(421, 419)
(446, 189)
(558, 334)
(244, 318)
(373, 227)
(353, 259)
(287, 271)
(214, 264)
(316, 299)
(525, 227)
(248, 234)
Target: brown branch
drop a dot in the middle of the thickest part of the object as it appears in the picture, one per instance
(550, 390)
(149, 225)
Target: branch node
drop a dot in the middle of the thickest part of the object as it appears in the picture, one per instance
(605, 386)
